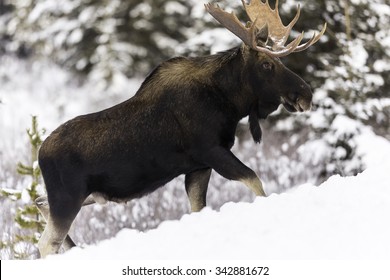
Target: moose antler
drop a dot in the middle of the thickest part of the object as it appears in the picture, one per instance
(264, 21)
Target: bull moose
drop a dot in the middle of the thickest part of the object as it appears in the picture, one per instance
(182, 120)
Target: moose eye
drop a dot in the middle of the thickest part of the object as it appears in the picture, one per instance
(267, 66)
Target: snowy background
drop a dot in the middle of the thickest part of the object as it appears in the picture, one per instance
(59, 59)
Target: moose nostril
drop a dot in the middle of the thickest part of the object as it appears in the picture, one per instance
(293, 97)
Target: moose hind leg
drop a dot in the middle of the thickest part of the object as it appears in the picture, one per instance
(62, 212)
(43, 207)
(196, 186)
(52, 237)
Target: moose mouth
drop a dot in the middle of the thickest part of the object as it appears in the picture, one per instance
(298, 105)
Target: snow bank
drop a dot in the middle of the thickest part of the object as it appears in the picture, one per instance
(343, 218)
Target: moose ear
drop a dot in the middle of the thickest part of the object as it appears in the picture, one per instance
(262, 36)
(254, 125)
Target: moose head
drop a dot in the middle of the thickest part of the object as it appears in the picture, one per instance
(264, 38)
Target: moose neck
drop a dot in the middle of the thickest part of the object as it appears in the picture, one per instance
(229, 78)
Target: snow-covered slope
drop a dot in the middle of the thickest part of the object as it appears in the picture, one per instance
(343, 218)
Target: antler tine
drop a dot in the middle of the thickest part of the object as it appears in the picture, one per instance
(231, 22)
(289, 27)
(276, 7)
(278, 33)
(282, 52)
(312, 41)
(295, 19)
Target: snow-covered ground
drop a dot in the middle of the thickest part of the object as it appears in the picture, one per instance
(343, 218)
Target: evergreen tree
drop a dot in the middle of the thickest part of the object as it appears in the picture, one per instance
(101, 38)
(352, 81)
(27, 217)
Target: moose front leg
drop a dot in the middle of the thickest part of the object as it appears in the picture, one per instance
(225, 163)
(196, 186)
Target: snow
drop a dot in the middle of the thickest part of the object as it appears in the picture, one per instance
(10, 191)
(172, 7)
(343, 125)
(381, 66)
(343, 218)
(357, 57)
(374, 150)
(382, 9)
(25, 196)
(220, 38)
(143, 9)
(317, 149)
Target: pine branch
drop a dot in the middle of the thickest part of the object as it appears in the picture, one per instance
(24, 169)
